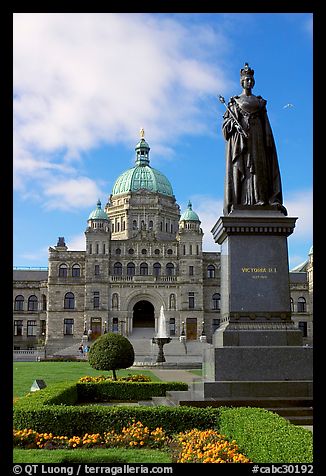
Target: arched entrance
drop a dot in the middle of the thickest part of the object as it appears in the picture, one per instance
(143, 314)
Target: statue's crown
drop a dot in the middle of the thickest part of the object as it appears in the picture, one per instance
(246, 71)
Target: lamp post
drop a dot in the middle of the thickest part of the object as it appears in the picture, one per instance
(203, 337)
(105, 328)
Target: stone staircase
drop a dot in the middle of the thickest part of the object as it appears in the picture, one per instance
(298, 410)
(176, 353)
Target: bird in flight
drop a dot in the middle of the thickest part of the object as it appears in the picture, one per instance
(288, 105)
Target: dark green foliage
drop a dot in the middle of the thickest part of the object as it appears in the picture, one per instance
(111, 352)
(265, 437)
(105, 391)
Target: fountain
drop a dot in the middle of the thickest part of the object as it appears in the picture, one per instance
(162, 336)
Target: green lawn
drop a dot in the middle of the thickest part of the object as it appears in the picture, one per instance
(109, 455)
(24, 373)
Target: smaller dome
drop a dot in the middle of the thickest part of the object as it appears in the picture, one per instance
(98, 213)
(189, 214)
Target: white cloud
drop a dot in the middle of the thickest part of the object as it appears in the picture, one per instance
(72, 193)
(84, 79)
(300, 204)
(208, 209)
(76, 243)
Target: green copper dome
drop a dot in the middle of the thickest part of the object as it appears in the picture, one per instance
(142, 176)
(189, 214)
(98, 213)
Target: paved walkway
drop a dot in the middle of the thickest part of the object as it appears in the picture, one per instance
(175, 375)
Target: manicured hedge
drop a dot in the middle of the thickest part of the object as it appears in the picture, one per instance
(266, 437)
(37, 411)
(117, 390)
(263, 436)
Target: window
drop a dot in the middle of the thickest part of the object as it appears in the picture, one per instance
(90, 249)
(157, 251)
(191, 270)
(184, 249)
(169, 251)
(156, 269)
(43, 302)
(134, 225)
(170, 269)
(131, 269)
(32, 303)
(19, 303)
(292, 304)
(190, 249)
(43, 327)
(304, 328)
(131, 251)
(18, 328)
(115, 301)
(68, 327)
(96, 299)
(172, 326)
(144, 251)
(97, 248)
(96, 269)
(103, 248)
(197, 249)
(63, 270)
(118, 251)
(191, 300)
(75, 271)
(301, 305)
(115, 324)
(31, 328)
(215, 324)
(216, 301)
(150, 225)
(143, 269)
(117, 269)
(211, 271)
(69, 302)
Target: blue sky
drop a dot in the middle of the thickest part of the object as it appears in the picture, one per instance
(86, 83)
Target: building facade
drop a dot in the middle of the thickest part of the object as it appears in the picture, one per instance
(141, 253)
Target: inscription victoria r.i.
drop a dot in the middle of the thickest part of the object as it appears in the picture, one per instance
(259, 270)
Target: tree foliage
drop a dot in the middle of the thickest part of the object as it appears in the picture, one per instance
(111, 352)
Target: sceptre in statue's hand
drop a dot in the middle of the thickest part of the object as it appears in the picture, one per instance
(239, 127)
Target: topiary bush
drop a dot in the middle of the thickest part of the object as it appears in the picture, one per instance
(111, 352)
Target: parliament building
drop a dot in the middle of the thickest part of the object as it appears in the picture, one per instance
(142, 252)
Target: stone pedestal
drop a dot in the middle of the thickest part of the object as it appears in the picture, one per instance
(257, 341)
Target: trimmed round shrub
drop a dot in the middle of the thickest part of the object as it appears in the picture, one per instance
(111, 352)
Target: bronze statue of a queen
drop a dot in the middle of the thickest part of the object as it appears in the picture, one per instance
(252, 171)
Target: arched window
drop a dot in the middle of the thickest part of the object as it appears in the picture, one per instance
(69, 302)
(301, 305)
(115, 301)
(292, 304)
(143, 269)
(117, 269)
(32, 303)
(170, 269)
(131, 269)
(150, 225)
(75, 271)
(211, 271)
(63, 271)
(134, 225)
(19, 303)
(156, 269)
(216, 301)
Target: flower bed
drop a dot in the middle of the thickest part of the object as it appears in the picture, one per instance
(194, 446)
